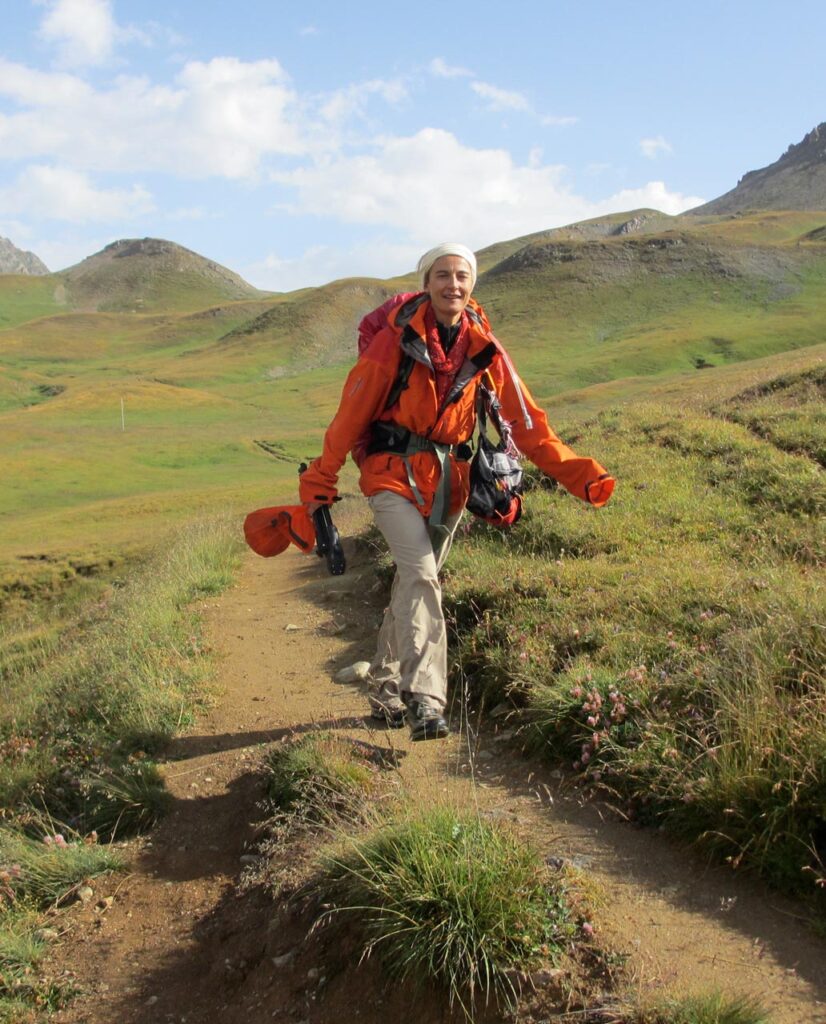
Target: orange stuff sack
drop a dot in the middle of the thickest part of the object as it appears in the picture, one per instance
(269, 531)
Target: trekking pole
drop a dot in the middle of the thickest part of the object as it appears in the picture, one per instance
(327, 540)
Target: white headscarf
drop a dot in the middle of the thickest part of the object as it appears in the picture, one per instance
(446, 249)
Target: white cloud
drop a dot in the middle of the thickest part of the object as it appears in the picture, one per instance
(59, 193)
(65, 252)
(441, 69)
(653, 147)
(49, 89)
(308, 30)
(217, 118)
(345, 103)
(321, 264)
(505, 99)
(558, 122)
(429, 186)
(16, 231)
(84, 31)
(653, 195)
(500, 99)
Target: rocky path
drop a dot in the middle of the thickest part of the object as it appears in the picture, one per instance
(179, 942)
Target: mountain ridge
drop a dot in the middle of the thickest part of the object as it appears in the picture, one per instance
(796, 181)
(19, 261)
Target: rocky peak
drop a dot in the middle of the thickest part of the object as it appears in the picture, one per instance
(18, 261)
(126, 247)
(797, 181)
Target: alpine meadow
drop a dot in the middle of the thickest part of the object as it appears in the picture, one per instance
(664, 654)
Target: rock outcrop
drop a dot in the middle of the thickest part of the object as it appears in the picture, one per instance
(18, 261)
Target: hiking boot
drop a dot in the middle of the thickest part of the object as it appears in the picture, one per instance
(388, 708)
(425, 718)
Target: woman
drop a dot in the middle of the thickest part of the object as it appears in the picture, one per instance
(407, 405)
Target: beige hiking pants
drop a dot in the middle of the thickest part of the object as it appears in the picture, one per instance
(411, 655)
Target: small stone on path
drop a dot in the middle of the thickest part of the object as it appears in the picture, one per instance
(354, 673)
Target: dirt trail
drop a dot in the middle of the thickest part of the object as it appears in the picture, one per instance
(178, 942)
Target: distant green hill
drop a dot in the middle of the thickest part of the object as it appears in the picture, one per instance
(314, 327)
(629, 223)
(151, 274)
(698, 295)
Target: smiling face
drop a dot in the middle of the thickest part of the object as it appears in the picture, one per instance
(449, 284)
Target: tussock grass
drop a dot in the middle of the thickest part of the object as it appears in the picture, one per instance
(671, 647)
(447, 897)
(321, 777)
(317, 785)
(45, 872)
(713, 1008)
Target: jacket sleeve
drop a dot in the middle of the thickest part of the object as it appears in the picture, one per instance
(363, 399)
(583, 477)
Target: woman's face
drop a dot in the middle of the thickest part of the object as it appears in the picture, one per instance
(449, 285)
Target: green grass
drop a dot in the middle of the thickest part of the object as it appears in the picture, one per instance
(447, 897)
(24, 297)
(36, 874)
(320, 777)
(670, 648)
(46, 872)
(714, 1008)
(83, 710)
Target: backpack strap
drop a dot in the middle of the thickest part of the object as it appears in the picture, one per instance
(402, 380)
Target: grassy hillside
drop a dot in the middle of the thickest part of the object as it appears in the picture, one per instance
(138, 275)
(24, 297)
(583, 313)
(631, 222)
(592, 317)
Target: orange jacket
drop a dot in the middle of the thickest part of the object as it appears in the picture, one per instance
(365, 395)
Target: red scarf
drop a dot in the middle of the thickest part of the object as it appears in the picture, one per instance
(446, 366)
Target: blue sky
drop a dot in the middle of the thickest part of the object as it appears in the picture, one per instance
(297, 143)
